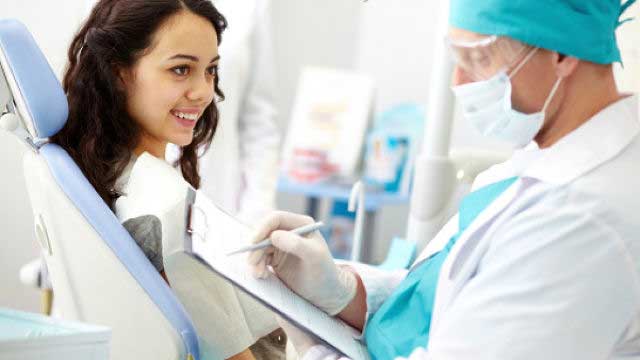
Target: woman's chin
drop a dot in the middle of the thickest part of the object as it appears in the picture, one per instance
(182, 140)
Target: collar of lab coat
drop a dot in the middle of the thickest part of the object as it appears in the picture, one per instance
(597, 141)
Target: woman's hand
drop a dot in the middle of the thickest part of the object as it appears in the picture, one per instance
(245, 355)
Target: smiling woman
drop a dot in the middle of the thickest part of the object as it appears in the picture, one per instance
(141, 75)
(169, 88)
(137, 76)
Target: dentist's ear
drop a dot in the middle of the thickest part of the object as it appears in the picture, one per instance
(565, 65)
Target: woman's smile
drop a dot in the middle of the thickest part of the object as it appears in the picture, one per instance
(186, 117)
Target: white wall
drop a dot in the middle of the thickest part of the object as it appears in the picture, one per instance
(629, 40)
(52, 24)
(17, 243)
(309, 32)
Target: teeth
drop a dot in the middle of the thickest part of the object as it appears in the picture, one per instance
(186, 116)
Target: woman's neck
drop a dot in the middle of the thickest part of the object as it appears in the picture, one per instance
(152, 146)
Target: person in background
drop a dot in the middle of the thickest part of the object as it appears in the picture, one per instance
(240, 169)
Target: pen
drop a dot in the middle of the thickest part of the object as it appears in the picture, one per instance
(303, 230)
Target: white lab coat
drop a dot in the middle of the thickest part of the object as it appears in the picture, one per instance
(239, 172)
(550, 270)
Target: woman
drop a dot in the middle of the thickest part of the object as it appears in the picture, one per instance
(142, 74)
(239, 171)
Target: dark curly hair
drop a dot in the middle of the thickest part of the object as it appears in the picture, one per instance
(99, 134)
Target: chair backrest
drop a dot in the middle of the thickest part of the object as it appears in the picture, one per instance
(99, 274)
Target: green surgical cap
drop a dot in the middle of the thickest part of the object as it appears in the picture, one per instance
(584, 29)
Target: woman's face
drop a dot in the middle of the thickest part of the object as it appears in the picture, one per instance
(172, 83)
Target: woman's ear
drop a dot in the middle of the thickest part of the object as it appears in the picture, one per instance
(124, 78)
(565, 65)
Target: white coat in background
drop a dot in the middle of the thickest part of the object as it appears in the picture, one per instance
(239, 172)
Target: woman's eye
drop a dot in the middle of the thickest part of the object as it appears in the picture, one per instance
(181, 70)
(212, 70)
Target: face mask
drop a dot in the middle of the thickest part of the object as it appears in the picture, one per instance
(487, 105)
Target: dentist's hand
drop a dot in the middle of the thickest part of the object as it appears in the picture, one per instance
(303, 263)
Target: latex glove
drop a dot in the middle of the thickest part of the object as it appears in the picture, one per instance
(303, 263)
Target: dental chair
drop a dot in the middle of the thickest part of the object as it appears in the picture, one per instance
(98, 272)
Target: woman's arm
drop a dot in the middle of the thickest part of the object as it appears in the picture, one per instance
(245, 355)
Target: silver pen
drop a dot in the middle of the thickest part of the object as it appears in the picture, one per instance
(303, 230)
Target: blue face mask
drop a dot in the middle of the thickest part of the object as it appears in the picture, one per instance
(487, 105)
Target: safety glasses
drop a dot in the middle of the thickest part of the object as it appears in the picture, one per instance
(484, 57)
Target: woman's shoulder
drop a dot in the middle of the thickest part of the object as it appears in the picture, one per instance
(151, 191)
(151, 186)
(123, 179)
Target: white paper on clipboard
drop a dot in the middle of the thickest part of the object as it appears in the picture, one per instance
(210, 224)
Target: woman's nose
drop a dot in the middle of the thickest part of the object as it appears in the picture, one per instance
(201, 89)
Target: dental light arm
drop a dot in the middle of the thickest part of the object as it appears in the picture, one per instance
(434, 175)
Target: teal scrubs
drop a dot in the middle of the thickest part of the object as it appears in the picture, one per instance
(403, 322)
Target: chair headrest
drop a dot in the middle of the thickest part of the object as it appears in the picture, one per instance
(40, 101)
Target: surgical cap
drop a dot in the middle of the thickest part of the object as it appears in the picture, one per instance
(584, 29)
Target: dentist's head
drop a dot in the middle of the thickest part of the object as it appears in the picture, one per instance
(141, 74)
(528, 71)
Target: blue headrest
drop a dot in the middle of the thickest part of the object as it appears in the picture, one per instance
(46, 108)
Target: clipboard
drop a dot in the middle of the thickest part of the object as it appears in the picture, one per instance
(203, 251)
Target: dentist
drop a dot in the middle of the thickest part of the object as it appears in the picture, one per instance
(542, 261)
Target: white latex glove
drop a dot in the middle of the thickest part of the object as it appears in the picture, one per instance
(303, 263)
